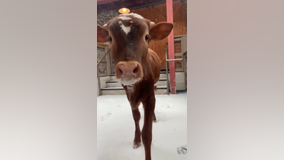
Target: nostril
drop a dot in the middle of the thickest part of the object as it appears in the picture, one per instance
(135, 70)
(120, 71)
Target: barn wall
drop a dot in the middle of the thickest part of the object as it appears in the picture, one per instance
(185, 1)
(157, 14)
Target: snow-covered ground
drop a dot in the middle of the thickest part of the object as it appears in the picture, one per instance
(115, 128)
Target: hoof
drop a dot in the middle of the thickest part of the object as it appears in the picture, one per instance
(136, 145)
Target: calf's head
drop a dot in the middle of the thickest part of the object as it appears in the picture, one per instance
(128, 36)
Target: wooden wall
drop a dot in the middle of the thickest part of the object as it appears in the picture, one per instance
(157, 14)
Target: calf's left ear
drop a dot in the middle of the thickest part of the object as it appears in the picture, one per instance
(102, 34)
(160, 30)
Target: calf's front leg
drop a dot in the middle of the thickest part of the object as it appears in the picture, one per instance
(149, 107)
(137, 139)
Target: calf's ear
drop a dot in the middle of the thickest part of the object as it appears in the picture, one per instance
(102, 34)
(160, 30)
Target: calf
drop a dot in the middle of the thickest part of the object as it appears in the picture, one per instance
(137, 66)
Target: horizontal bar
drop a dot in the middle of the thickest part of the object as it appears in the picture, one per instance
(178, 54)
(169, 60)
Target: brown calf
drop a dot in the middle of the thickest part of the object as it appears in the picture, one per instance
(137, 66)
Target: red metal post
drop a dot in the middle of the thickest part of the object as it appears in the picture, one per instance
(171, 51)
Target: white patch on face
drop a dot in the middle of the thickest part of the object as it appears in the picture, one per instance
(124, 28)
(127, 29)
(105, 25)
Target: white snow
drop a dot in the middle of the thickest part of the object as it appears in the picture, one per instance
(115, 128)
(124, 18)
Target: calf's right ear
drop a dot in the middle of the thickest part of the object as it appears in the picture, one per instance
(161, 30)
(102, 34)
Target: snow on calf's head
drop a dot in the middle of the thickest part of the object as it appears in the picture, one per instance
(124, 18)
(129, 18)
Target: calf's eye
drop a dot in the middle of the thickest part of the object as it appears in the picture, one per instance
(109, 39)
(147, 37)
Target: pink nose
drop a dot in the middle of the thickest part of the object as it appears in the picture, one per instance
(128, 70)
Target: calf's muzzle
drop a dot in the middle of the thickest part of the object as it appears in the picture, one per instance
(128, 72)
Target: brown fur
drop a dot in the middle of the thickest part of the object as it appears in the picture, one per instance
(134, 47)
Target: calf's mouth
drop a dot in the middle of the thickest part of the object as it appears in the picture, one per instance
(129, 81)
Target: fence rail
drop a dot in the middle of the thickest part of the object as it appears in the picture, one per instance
(98, 70)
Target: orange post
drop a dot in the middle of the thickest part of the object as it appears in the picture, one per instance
(171, 51)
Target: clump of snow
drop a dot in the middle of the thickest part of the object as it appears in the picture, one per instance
(115, 128)
(124, 18)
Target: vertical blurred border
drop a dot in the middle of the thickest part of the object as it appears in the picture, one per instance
(48, 80)
(235, 80)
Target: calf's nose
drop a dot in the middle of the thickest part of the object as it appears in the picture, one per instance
(128, 70)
